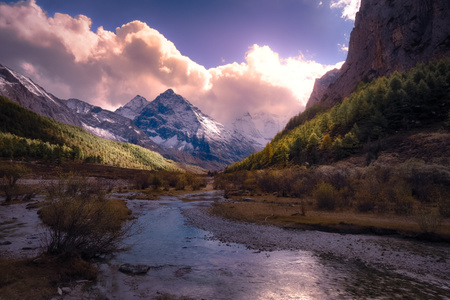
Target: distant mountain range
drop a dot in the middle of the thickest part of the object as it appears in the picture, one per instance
(109, 125)
(170, 124)
(258, 128)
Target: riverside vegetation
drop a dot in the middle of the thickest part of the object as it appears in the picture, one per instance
(376, 162)
(83, 220)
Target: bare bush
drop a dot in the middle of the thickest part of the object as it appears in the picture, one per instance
(444, 207)
(326, 196)
(428, 219)
(142, 180)
(82, 220)
(195, 181)
(423, 178)
(181, 182)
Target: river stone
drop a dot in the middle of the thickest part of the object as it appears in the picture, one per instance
(134, 269)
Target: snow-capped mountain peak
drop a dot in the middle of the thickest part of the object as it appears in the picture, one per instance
(133, 108)
(173, 122)
(80, 107)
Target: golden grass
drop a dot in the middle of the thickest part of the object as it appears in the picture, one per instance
(119, 208)
(287, 212)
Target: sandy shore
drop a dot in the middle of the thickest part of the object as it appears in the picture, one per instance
(424, 261)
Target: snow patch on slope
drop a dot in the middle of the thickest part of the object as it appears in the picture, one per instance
(259, 128)
(103, 133)
(133, 108)
(31, 86)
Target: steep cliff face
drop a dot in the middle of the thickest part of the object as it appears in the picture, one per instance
(389, 35)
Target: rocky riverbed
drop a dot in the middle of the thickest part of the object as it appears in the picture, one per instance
(425, 261)
(191, 253)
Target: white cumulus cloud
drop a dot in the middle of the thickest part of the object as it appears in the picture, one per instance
(349, 7)
(65, 56)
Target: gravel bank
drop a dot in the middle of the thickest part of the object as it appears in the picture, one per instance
(424, 261)
(21, 231)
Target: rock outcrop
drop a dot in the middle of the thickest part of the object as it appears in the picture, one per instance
(321, 85)
(389, 35)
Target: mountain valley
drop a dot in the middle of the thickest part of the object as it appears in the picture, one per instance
(170, 124)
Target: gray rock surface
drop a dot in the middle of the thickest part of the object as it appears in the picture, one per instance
(109, 125)
(24, 91)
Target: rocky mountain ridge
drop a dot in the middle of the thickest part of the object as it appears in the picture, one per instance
(28, 94)
(388, 36)
(109, 125)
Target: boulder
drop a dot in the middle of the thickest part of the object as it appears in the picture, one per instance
(134, 269)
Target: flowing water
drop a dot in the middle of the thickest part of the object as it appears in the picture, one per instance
(186, 262)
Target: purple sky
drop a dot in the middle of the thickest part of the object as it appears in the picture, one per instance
(226, 57)
(212, 31)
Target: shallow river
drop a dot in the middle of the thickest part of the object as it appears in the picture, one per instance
(187, 262)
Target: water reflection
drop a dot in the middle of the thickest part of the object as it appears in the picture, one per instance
(186, 262)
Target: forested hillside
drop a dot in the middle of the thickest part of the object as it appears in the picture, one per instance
(27, 135)
(376, 110)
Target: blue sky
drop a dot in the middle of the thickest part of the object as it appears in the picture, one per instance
(214, 32)
(226, 57)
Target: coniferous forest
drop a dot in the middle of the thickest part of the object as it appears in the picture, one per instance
(400, 102)
(26, 135)
(384, 149)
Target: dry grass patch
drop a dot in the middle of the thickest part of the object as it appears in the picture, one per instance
(39, 278)
(287, 212)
